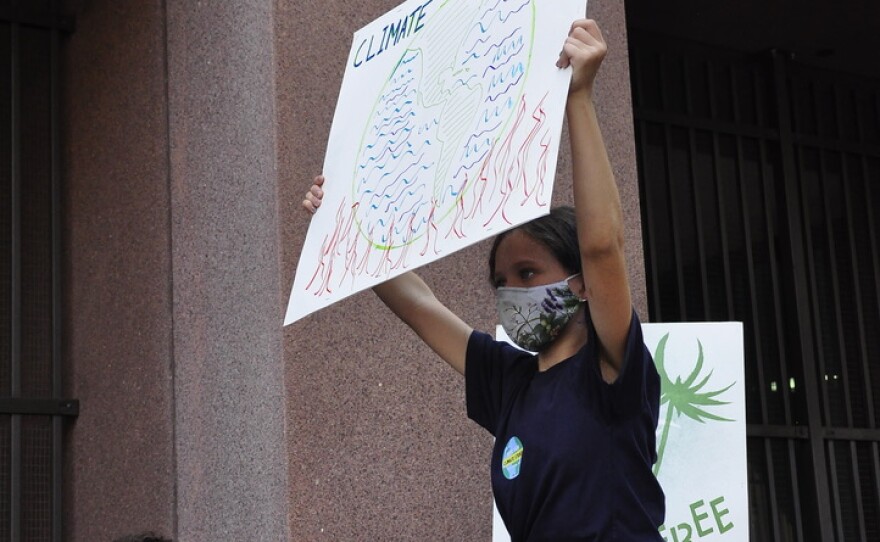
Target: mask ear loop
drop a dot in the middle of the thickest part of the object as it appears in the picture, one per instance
(580, 299)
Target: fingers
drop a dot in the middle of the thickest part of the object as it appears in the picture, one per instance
(314, 195)
(584, 41)
(564, 59)
(590, 26)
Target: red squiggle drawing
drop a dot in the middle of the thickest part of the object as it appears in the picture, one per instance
(447, 141)
(329, 247)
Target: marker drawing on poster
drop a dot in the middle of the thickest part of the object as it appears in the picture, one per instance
(446, 132)
(701, 435)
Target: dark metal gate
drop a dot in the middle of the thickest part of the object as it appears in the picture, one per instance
(32, 408)
(760, 185)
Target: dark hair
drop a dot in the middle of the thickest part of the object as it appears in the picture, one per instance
(556, 231)
(143, 537)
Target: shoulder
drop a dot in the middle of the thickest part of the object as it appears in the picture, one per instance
(494, 370)
(486, 353)
(637, 385)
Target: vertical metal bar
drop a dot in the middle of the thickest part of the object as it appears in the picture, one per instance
(875, 450)
(769, 205)
(854, 256)
(835, 282)
(771, 480)
(795, 490)
(765, 418)
(832, 261)
(875, 248)
(682, 293)
(55, 135)
(803, 309)
(719, 189)
(812, 291)
(835, 292)
(647, 178)
(872, 229)
(750, 257)
(15, 274)
(862, 344)
(698, 218)
(656, 306)
(818, 314)
(832, 472)
(875, 260)
(818, 326)
(859, 509)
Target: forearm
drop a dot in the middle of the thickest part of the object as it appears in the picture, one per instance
(600, 232)
(596, 198)
(403, 293)
(414, 303)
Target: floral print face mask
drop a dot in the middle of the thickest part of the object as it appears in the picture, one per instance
(532, 317)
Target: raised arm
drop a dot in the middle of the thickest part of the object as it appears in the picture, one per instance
(596, 199)
(414, 303)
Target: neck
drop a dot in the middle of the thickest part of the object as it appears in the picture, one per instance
(573, 336)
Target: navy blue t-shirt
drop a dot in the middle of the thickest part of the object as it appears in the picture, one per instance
(573, 454)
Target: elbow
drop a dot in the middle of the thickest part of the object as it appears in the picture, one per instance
(600, 245)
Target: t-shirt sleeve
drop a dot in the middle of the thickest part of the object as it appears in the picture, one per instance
(638, 385)
(492, 370)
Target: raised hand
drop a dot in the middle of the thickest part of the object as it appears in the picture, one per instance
(314, 195)
(583, 50)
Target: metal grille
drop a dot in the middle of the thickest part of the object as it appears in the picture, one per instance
(760, 182)
(31, 408)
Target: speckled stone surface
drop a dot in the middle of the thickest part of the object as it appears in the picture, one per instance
(230, 440)
(119, 463)
(193, 129)
(172, 273)
(380, 445)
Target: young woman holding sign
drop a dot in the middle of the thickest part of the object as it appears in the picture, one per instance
(574, 424)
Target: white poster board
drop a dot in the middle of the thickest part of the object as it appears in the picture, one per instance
(446, 132)
(701, 435)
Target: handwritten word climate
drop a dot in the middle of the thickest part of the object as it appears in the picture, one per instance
(391, 35)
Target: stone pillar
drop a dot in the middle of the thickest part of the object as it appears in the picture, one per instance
(173, 306)
(228, 380)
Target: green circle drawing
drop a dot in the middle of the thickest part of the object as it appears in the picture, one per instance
(430, 103)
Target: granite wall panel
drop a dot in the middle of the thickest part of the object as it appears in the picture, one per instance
(193, 129)
(119, 475)
(380, 446)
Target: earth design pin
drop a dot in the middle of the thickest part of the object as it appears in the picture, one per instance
(511, 459)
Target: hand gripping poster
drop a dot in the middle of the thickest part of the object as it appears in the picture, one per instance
(701, 434)
(446, 132)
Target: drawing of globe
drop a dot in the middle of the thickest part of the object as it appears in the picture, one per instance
(446, 103)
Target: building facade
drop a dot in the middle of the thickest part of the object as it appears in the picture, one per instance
(153, 161)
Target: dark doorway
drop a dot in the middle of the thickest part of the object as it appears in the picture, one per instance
(32, 409)
(759, 165)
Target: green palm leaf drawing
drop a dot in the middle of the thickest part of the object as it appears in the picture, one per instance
(685, 397)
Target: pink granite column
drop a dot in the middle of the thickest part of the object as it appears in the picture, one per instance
(173, 308)
(229, 384)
